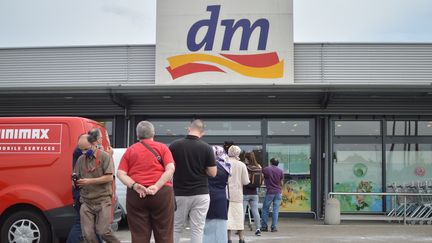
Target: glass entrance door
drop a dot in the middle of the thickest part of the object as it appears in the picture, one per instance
(292, 142)
(295, 161)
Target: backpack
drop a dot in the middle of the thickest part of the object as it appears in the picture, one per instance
(256, 177)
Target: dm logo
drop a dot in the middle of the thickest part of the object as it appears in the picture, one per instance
(263, 65)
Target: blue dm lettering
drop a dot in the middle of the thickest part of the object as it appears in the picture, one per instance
(230, 28)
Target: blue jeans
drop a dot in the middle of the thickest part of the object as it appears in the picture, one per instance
(75, 234)
(252, 201)
(276, 200)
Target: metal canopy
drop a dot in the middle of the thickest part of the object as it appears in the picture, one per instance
(217, 101)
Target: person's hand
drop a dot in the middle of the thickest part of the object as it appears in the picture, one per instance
(110, 150)
(141, 190)
(152, 190)
(84, 182)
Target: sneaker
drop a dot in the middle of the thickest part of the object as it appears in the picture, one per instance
(264, 229)
(258, 232)
(274, 229)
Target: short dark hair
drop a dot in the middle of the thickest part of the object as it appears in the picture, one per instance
(93, 135)
(274, 161)
(197, 125)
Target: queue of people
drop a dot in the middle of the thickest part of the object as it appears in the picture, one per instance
(188, 183)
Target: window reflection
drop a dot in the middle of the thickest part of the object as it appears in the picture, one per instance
(409, 128)
(229, 128)
(286, 127)
(171, 128)
(357, 128)
(408, 164)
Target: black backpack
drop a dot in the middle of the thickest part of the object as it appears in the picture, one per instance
(256, 177)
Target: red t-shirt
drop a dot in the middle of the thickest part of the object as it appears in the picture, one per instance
(142, 165)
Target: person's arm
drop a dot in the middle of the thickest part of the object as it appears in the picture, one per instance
(130, 183)
(211, 171)
(94, 181)
(166, 176)
(211, 168)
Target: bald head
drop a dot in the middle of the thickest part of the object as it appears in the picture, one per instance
(196, 128)
(83, 142)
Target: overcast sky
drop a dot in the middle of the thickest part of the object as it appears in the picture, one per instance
(105, 22)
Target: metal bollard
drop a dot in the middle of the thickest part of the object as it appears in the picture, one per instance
(332, 212)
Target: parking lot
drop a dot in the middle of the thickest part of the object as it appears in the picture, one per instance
(310, 231)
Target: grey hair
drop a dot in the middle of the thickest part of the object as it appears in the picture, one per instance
(145, 129)
(197, 125)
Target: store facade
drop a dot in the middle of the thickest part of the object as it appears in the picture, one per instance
(330, 135)
(346, 117)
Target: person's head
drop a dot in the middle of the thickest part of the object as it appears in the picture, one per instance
(145, 130)
(250, 156)
(196, 128)
(220, 154)
(234, 152)
(274, 161)
(83, 143)
(94, 136)
(227, 145)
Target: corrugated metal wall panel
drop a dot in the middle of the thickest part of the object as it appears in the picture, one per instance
(135, 65)
(76, 66)
(377, 63)
(308, 63)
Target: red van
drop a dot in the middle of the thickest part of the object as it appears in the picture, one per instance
(35, 176)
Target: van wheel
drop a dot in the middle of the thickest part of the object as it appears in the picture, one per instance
(25, 226)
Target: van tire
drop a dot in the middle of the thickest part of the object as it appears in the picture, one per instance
(32, 223)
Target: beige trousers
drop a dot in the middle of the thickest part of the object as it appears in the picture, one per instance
(97, 216)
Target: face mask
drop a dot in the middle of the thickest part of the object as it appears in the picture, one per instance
(89, 153)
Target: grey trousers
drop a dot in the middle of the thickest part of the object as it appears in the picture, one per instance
(195, 209)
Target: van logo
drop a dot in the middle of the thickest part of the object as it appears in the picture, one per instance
(261, 65)
(24, 133)
(30, 138)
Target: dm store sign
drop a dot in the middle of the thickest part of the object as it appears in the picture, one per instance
(224, 42)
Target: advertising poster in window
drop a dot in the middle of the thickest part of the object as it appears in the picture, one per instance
(294, 160)
(358, 171)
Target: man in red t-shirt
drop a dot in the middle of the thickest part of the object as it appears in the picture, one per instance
(146, 169)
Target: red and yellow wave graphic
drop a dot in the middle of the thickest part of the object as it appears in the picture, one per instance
(266, 65)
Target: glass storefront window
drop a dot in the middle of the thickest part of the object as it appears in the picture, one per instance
(290, 128)
(408, 164)
(294, 160)
(230, 128)
(108, 124)
(358, 168)
(171, 128)
(409, 128)
(256, 149)
(357, 128)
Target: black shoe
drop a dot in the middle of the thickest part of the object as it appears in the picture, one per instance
(229, 241)
(241, 241)
(258, 232)
(273, 229)
(264, 229)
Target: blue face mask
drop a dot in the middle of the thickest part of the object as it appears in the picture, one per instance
(89, 153)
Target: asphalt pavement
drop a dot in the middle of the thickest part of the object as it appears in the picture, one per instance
(311, 231)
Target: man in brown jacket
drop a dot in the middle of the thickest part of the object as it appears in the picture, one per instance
(95, 172)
